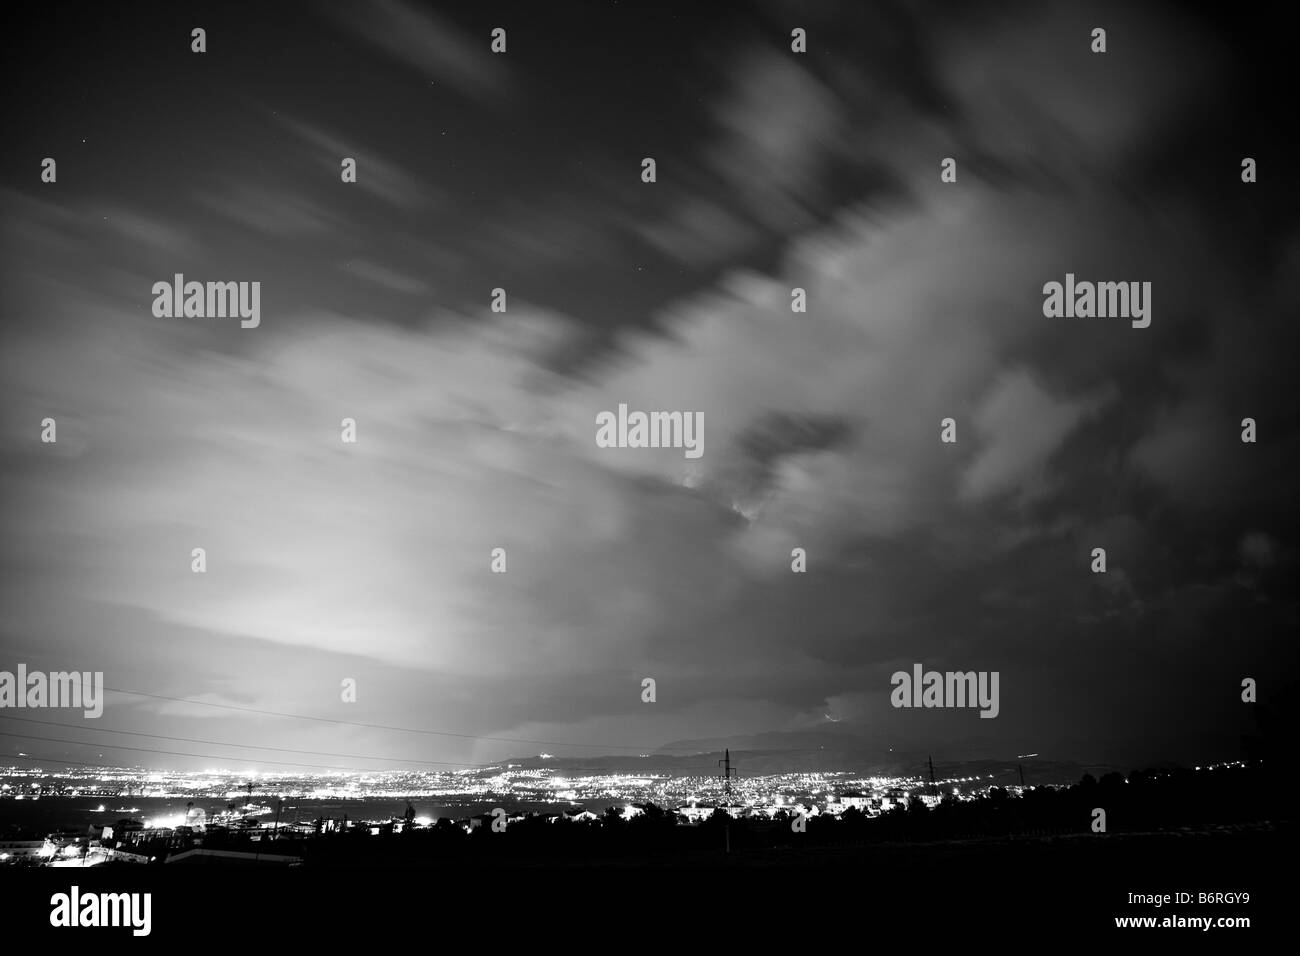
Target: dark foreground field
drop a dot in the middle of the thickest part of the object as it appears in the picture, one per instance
(958, 891)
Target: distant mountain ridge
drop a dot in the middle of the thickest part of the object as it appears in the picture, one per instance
(776, 752)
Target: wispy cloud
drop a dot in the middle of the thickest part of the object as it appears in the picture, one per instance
(384, 277)
(430, 45)
(269, 212)
(375, 175)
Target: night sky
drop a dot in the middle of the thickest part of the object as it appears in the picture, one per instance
(476, 429)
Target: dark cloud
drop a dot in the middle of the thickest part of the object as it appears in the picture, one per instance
(821, 428)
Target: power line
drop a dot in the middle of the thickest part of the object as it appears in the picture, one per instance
(224, 743)
(80, 763)
(659, 750)
(318, 753)
(177, 753)
(405, 730)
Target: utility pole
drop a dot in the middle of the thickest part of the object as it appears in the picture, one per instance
(1021, 768)
(934, 790)
(727, 773)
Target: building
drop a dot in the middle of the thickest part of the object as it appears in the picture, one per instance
(196, 818)
(123, 856)
(201, 857)
(894, 797)
(855, 799)
(13, 851)
(695, 813)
